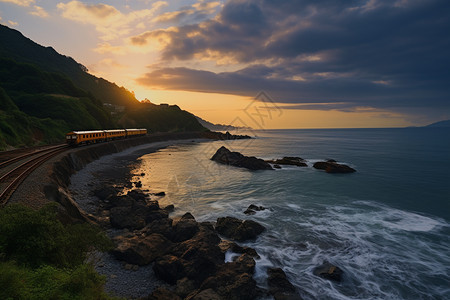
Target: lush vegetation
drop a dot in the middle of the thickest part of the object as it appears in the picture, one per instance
(160, 118)
(40, 258)
(44, 95)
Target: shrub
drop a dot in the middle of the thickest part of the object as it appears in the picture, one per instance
(33, 238)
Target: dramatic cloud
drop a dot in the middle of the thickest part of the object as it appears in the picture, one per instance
(376, 53)
(20, 2)
(109, 21)
(39, 12)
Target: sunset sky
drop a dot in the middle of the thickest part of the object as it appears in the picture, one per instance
(321, 64)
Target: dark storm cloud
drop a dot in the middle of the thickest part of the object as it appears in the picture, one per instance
(375, 53)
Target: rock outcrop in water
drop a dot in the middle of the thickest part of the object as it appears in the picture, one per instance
(226, 157)
(332, 166)
(329, 271)
(187, 254)
(289, 160)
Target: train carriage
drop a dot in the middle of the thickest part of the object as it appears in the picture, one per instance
(75, 138)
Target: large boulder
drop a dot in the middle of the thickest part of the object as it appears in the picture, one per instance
(126, 217)
(225, 156)
(333, 167)
(239, 230)
(252, 209)
(234, 280)
(163, 294)
(201, 252)
(185, 228)
(329, 271)
(289, 160)
(169, 268)
(138, 250)
(279, 285)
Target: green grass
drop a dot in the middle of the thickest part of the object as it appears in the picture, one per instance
(41, 258)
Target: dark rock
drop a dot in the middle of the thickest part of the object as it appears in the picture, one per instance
(239, 230)
(234, 280)
(142, 174)
(233, 247)
(252, 209)
(126, 217)
(141, 250)
(104, 192)
(333, 167)
(169, 208)
(163, 294)
(160, 194)
(169, 268)
(208, 294)
(289, 160)
(201, 252)
(329, 271)
(137, 195)
(277, 166)
(185, 228)
(152, 215)
(138, 184)
(184, 287)
(161, 226)
(331, 160)
(279, 285)
(153, 205)
(225, 156)
(115, 201)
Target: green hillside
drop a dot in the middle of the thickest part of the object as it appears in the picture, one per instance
(44, 95)
(15, 46)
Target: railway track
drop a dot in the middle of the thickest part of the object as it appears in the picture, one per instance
(18, 168)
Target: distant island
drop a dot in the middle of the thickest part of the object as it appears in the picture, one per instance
(444, 123)
(220, 127)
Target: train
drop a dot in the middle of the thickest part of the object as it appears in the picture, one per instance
(76, 138)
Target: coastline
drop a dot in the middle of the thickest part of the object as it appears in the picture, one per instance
(122, 279)
(224, 258)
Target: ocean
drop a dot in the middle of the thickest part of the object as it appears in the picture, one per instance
(386, 226)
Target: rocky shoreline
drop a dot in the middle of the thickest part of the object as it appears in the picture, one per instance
(157, 257)
(178, 258)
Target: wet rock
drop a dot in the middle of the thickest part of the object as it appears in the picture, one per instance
(289, 160)
(279, 285)
(141, 250)
(169, 268)
(161, 226)
(104, 192)
(234, 280)
(126, 217)
(137, 195)
(201, 252)
(252, 209)
(169, 208)
(153, 215)
(138, 184)
(333, 167)
(160, 194)
(239, 230)
(185, 228)
(163, 294)
(153, 205)
(208, 294)
(233, 247)
(184, 287)
(329, 271)
(277, 166)
(116, 201)
(225, 156)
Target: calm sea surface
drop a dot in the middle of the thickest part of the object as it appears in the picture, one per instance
(387, 225)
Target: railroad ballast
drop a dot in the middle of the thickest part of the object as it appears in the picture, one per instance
(75, 138)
